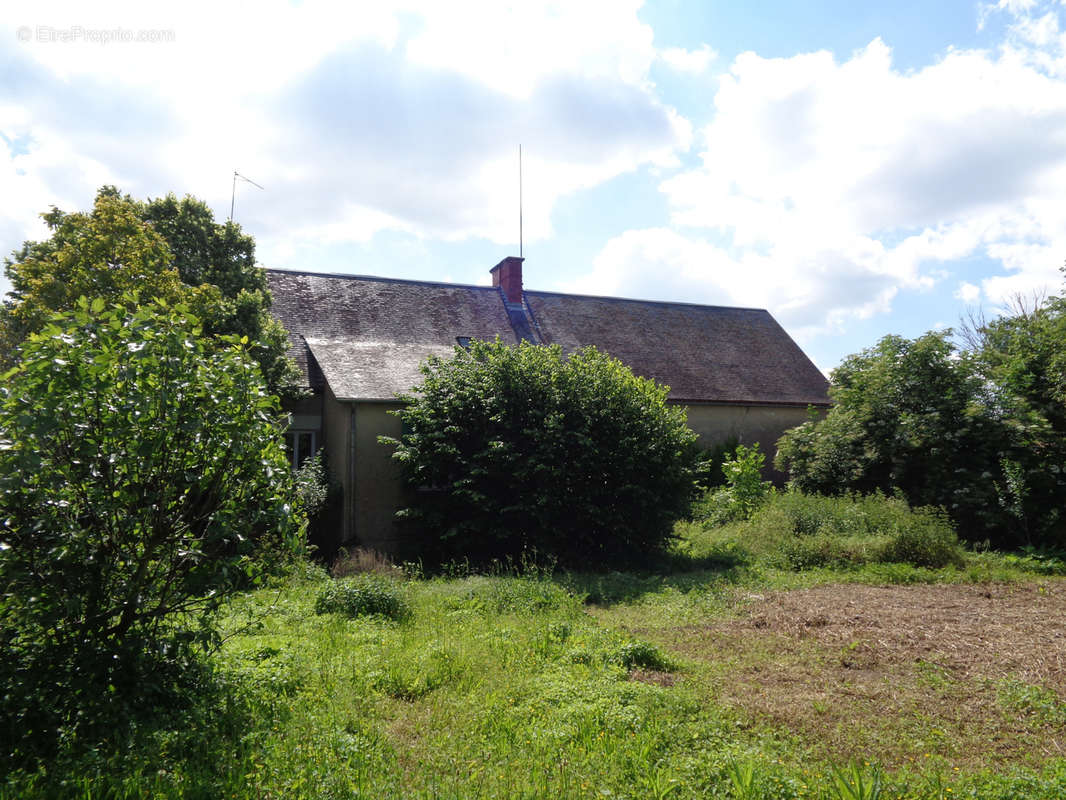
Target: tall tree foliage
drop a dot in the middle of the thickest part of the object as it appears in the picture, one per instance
(108, 252)
(908, 415)
(1023, 356)
(165, 248)
(520, 447)
(980, 432)
(219, 259)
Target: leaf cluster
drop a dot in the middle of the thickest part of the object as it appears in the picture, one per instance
(109, 252)
(743, 473)
(321, 496)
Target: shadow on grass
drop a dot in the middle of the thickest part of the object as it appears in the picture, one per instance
(678, 571)
(176, 728)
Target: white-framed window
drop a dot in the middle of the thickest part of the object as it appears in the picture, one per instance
(301, 445)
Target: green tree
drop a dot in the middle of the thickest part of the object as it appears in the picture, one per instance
(219, 259)
(516, 448)
(166, 248)
(908, 415)
(142, 481)
(109, 252)
(1023, 356)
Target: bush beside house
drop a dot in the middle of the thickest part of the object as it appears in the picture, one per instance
(513, 448)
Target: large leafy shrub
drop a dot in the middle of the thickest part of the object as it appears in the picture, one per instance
(142, 481)
(512, 448)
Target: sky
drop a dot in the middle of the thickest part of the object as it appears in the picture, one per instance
(856, 168)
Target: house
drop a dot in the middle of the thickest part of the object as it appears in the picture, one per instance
(360, 340)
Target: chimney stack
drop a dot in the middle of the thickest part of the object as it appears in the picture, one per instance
(508, 276)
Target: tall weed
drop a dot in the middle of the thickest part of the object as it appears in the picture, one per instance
(363, 595)
(744, 492)
(793, 530)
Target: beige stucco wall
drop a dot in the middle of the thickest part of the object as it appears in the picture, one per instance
(371, 478)
(378, 491)
(335, 438)
(749, 424)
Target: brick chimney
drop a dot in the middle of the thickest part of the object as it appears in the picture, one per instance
(508, 276)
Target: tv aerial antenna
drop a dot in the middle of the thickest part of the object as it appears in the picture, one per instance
(233, 192)
(520, 201)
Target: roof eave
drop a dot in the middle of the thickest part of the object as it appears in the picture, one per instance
(686, 401)
(771, 403)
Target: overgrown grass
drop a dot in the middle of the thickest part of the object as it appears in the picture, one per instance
(798, 531)
(541, 685)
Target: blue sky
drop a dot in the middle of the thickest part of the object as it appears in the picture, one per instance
(858, 169)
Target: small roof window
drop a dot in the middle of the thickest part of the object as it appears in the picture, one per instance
(464, 342)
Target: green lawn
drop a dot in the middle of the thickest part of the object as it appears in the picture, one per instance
(718, 676)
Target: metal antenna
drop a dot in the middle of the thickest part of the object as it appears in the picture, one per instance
(233, 192)
(519, 201)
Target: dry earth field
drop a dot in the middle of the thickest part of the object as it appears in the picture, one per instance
(973, 675)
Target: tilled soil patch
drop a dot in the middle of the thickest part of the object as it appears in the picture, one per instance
(975, 674)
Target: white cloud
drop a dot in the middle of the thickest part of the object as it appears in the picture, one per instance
(809, 295)
(861, 147)
(819, 176)
(1033, 269)
(826, 187)
(217, 49)
(689, 61)
(438, 151)
(968, 292)
(1015, 7)
(357, 118)
(510, 47)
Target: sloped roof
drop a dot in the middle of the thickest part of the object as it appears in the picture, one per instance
(372, 370)
(368, 335)
(359, 321)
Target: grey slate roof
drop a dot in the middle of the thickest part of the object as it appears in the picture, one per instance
(703, 353)
(372, 370)
(366, 336)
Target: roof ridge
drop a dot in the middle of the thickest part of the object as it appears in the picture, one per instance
(379, 279)
(643, 301)
(453, 285)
